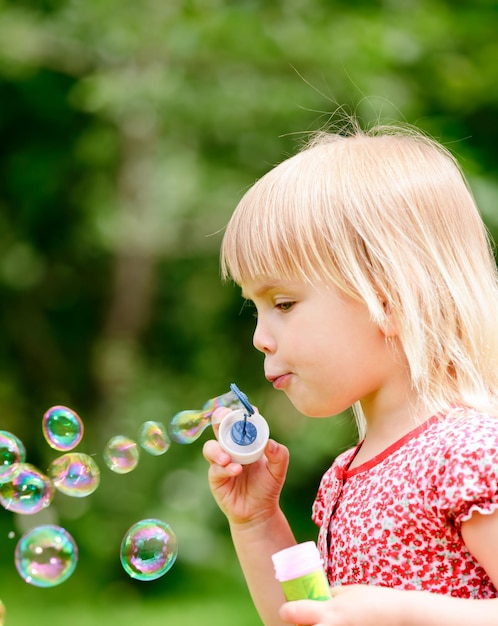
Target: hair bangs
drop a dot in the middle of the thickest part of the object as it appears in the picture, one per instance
(250, 251)
(276, 230)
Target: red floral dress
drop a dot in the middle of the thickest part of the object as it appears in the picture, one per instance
(395, 520)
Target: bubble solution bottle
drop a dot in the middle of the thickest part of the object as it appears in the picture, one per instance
(299, 569)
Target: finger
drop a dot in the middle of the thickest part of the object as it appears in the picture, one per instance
(278, 457)
(303, 612)
(221, 464)
(276, 452)
(218, 416)
(220, 473)
(214, 453)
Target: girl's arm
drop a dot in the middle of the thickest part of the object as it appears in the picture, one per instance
(249, 497)
(254, 545)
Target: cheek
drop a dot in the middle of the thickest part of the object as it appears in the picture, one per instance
(311, 345)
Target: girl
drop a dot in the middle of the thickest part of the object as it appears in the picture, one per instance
(375, 287)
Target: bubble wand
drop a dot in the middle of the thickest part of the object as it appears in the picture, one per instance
(243, 433)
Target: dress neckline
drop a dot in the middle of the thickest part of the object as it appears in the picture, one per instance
(378, 458)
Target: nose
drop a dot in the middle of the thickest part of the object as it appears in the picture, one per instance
(262, 339)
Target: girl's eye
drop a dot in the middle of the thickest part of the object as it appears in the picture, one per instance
(285, 306)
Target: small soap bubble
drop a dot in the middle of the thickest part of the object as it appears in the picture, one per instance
(62, 428)
(12, 454)
(187, 426)
(11, 534)
(2, 613)
(28, 492)
(46, 556)
(75, 474)
(153, 438)
(148, 550)
(121, 454)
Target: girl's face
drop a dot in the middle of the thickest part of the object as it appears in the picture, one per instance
(321, 347)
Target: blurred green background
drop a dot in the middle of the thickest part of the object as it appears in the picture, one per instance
(128, 133)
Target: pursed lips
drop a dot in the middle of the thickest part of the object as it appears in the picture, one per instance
(277, 380)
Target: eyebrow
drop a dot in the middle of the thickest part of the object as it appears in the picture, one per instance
(264, 288)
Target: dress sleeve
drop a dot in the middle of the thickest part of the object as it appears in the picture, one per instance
(465, 475)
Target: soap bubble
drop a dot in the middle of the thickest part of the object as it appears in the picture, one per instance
(154, 438)
(46, 556)
(228, 399)
(75, 474)
(62, 428)
(12, 453)
(121, 454)
(148, 550)
(2, 613)
(187, 426)
(28, 492)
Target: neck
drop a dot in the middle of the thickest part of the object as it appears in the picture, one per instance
(386, 427)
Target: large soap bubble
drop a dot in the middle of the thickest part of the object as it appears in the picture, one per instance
(28, 492)
(75, 474)
(62, 428)
(46, 556)
(149, 549)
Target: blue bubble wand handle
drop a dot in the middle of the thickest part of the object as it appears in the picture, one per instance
(243, 433)
(243, 398)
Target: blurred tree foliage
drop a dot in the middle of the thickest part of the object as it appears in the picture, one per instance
(128, 133)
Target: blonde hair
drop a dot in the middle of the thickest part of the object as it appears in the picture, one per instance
(388, 217)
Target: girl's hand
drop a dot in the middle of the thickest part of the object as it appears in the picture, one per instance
(351, 605)
(246, 493)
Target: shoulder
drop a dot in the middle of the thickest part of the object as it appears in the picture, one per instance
(461, 438)
(462, 464)
(464, 428)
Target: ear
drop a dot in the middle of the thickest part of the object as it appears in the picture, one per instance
(388, 325)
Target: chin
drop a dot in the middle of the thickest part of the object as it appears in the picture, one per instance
(317, 415)
(311, 411)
